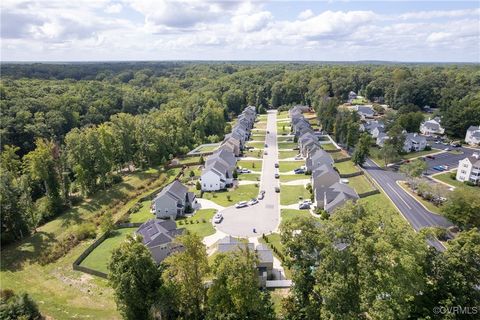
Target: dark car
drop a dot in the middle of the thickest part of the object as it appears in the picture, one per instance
(299, 171)
(431, 157)
(277, 176)
(261, 195)
(276, 165)
(277, 189)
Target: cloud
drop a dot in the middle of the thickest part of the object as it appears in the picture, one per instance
(426, 15)
(306, 14)
(114, 8)
(252, 22)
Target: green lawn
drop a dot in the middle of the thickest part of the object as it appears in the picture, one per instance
(359, 101)
(380, 203)
(281, 125)
(258, 132)
(328, 146)
(259, 137)
(249, 176)
(287, 145)
(418, 154)
(242, 193)
(445, 177)
(292, 194)
(99, 258)
(262, 117)
(189, 160)
(287, 166)
(292, 214)
(255, 165)
(292, 177)
(260, 125)
(360, 184)
(143, 214)
(258, 145)
(258, 153)
(207, 148)
(338, 155)
(282, 115)
(346, 167)
(199, 223)
(285, 139)
(287, 154)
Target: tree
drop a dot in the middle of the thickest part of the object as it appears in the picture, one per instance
(463, 207)
(414, 169)
(396, 138)
(198, 186)
(234, 100)
(184, 276)
(21, 306)
(362, 149)
(389, 153)
(106, 223)
(135, 279)
(234, 293)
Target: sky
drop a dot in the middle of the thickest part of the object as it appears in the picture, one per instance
(99, 30)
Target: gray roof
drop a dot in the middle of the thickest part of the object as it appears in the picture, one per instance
(223, 155)
(473, 128)
(229, 243)
(366, 110)
(324, 176)
(156, 233)
(475, 161)
(264, 254)
(321, 155)
(431, 125)
(339, 194)
(415, 137)
(175, 190)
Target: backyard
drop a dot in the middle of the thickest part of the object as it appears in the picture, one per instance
(204, 148)
(328, 146)
(360, 184)
(229, 198)
(346, 167)
(292, 194)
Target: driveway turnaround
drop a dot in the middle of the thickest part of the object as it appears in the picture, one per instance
(264, 216)
(411, 209)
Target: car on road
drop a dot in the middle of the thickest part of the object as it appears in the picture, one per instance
(277, 176)
(299, 171)
(218, 217)
(265, 153)
(268, 131)
(430, 157)
(261, 195)
(277, 189)
(448, 149)
(439, 168)
(276, 165)
(266, 145)
(253, 202)
(241, 204)
(456, 145)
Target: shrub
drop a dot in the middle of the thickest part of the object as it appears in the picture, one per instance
(180, 222)
(21, 306)
(235, 174)
(229, 198)
(85, 231)
(203, 220)
(428, 148)
(453, 176)
(116, 178)
(198, 186)
(469, 183)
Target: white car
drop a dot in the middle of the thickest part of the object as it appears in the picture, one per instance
(241, 204)
(252, 202)
(217, 218)
(298, 158)
(245, 171)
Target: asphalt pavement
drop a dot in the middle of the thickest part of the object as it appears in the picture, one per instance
(264, 216)
(447, 158)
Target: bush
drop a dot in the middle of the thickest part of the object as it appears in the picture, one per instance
(235, 174)
(428, 148)
(85, 231)
(229, 198)
(116, 178)
(203, 220)
(453, 176)
(469, 183)
(198, 186)
(20, 306)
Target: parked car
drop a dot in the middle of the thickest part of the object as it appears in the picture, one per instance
(265, 153)
(456, 145)
(296, 148)
(448, 149)
(298, 157)
(276, 165)
(277, 189)
(439, 168)
(277, 176)
(246, 170)
(252, 202)
(299, 171)
(266, 145)
(261, 195)
(304, 205)
(241, 204)
(218, 217)
(268, 131)
(430, 157)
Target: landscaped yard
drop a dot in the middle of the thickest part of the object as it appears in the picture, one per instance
(287, 145)
(254, 165)
(99, 258)
(292, 177)
(346, 167)
(329, 146)
(285, 139)
(283, 127)
(287, 154)
(418, 154)
(287, 166)
(143, 214)
(292, 214)
(249, 176)
(293, 194)
(359, 101)
(257, 153)
(207, 148)
(446, 177)
(360, 184)
(199, 223)
(256, 145)
(241, 193)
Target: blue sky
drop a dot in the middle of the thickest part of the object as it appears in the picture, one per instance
(90, 30)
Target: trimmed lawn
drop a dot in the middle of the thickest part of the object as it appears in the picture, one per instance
(143, 214)
(328, 146)
(255, 165)
(208, 148)
(249, 176)
(359, 101)
(260, 125)
(199, 223)
(287, 154)
(445, 177)
(258, 131)
(381, 203)
(99, 258)
(189, 160)
(346, 167)
(258, 153)
(292, 177)
(418, 154)
(262, 117)
(286, 166)
(257, 145)
(360, 184)
(260, 137)
(242, 193)
(292, 194)
(285, 139)
(287, 145)
(282, 115)
(292, 214)
(338, 155)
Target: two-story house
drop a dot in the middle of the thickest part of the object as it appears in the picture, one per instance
(469, 169)
(173, 201)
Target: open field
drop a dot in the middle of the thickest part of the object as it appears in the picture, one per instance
(241, 193)
(255, 165)
(287, 145)
(360, 184)
(199, 223)
(293, 194)
(287, 166)
(287, 154)
(346, 167)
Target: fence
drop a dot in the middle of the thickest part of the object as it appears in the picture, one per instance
(368, 193)
(76, 264)
(342, 159)
(333, 151)
(350, 175)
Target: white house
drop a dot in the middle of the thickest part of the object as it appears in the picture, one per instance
(216, 176)
(431, 127)
(381, 139)
(414, 142)
(472, 137)
(469, 169)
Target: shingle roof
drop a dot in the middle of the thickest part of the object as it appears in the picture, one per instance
(175, 190)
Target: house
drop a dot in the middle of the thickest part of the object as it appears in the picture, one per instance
(472, 137)
(381, 139)
(469, 169)
(233, 144)
(216, 176)
(224, 156)
(157, 235)
(376, 131)
(365, 111)
(334, 196)
(414, 142)
(431, 127)
(323, 177)
(174, 200)
(317, 158)
(351, 96)
(371, 125)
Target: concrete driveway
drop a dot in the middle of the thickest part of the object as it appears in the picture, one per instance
(265, 215)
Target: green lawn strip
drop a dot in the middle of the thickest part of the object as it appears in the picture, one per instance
(249, 177)
(143, 214)
(287, 166)
(207, 148)
(281, 125)
(293, 194)
(189, 160)
(287, 154)
(255, 165)
(258, 131)
(328, 146)
(260, 125)
(360, 184)
(346, 167)
(418, 154)
(258, 145)
(258, 153)
(446, 177)
(282, 115)
(338, 155)
(292, 177)
(285, 139)
(287, 145)
(241, 193)
(199, 223)
(262, 117)
(258, 137)
(292, 214)
(430, 206)
(99, 258)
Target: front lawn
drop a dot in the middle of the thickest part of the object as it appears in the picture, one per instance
(248, 176)
(258, 132)
(257, 145)
(258, 136)
(257, 153)
(287, 154)
(292, 214)
(328, 146)
(254, 165)
(282, 115)
(293, 194)
(292, 177)
(287, 166)
(241, 193)
(260, 125)
(285, 139)
(418, 154)
(446, 177)
(287, 145)
(346, 167)
(199, 223)
(99, 258)
(360, 184)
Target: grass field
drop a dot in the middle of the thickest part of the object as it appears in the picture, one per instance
(287, 154)
(255, 165)
(287, 145)
(445, 177)
(287, 166)
(346, 167)
(189, 160)
(292, 214)
(285, 139)
(292, 194)
(328, 146)
(143, 214)
(418, 154)
(242, 193)
(262, 117)
(199, 223)
(254, 153)
(249, 177)
(207, 148)
(360, 184)
(99, 258)
(292, 177)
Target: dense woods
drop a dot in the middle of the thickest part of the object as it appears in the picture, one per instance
(69, 128)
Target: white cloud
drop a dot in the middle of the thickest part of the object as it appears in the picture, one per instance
(425, 15)
(252, 22)
(114, 8)
(306, 14)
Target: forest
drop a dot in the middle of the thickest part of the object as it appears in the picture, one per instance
(68, 129)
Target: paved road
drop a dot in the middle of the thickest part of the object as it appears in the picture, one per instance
(411, 209)
(265, 215)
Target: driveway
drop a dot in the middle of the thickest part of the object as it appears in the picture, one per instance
(265, 215)
(411, 209)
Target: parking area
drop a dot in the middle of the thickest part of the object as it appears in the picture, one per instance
(448, 159)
